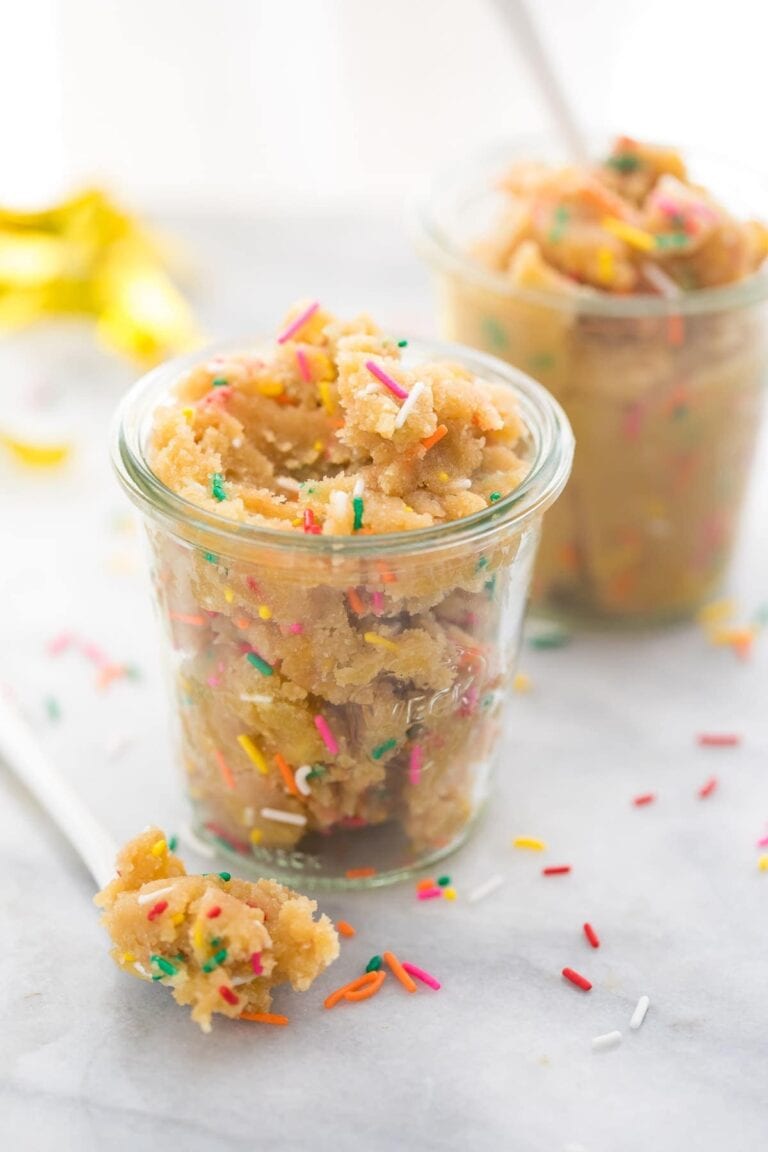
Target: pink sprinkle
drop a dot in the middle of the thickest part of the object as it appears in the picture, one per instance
(708, 788)
(718, 739)
(295, 629)
(213, 681)
(60, 643)
(429, 893)
(420, 974)
(763, 843)
(322, 726)
(304, 369)
(414, 769)
(298, 323)
(93, 652)
(256, 963)
(378, 602)
(386, 380)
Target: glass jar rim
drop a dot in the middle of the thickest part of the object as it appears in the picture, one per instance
(544, 419)
(443, 250)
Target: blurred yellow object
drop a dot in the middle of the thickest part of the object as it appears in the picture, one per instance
(35, 455)
(87, 256)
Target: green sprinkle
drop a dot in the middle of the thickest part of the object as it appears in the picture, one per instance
(317, 770)
(494, 334)
(561, 219)
(357, 508)
(443, 881)
(217, 487)
(624, 162)
(173, 843)
(487, 701)
(402, 343)
(672, 240)
(490, 587)
(225, 875)
(219, 382)
(374, 964)
(131, 671)
(381, 749)
(164, 965)
(52, 708)
(494, 496)
(541, 362)
(482, 563)
(257, 662)
(209, 556)
(549, 640)
(215, 960)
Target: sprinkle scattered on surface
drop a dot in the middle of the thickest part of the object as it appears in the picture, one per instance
(577, 979)
(421, 975)
(639, 1013)
(485, 889)
(397, 970)
(529, 842)
(708, 788)
(344, 928)
(591, 935)
(718, 739)
(521, 682)
(643, 799)
(556, 870)
(263, 1018)
(606, 1041)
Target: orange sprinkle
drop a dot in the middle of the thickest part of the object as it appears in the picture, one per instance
(242, 622)
(263, 1018)
(386, 573)
(367, 990)
(397, 970)
(224, 768)
(355, 602)
(359, 873)
(675, 331)
(286, 774)
(187, 618)
(430, 441)
(424, 884)
(361, 982)
(345, 929)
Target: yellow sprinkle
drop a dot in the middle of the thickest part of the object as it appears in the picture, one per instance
(723, 636)
(324, 389)
(256, 835)
(198, 939)
(229, 595)
(253, 753)
(521, 682)
(318, 445)
(177, 918)
(382, 641)
(717, 612)
(264, 612)
(443, 476)
(36, 455)
(270, 388)
(188, 414)
(128, 958)
(605, 268)
(159, 848)
(529, 842)
(449, 893)
(635, 237)
(297, 522)
(762, 862)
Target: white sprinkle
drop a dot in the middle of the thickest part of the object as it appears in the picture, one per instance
(485, 889)
(156, 894)
(237, 442)
(300, 778)
(608, 1040)
(459, 485)
(249, 815)
(359, 488)
(408, 404)
(284, 817)
(142, 970)
(188, 837)
(638, 1015)
(339, 502)
(238, 980)
(288, 483)
(659, 280)
(256, 698)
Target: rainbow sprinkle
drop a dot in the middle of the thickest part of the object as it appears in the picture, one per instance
(386, 380)
(217, 489)
(298, 323)
(257, 662)
(327, 736)
(382, 749)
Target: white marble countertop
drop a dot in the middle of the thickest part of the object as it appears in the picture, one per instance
(501, 1057)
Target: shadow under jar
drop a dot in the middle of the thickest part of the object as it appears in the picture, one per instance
(308, 751)
(665, 397)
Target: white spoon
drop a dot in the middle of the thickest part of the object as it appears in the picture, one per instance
(23, 755)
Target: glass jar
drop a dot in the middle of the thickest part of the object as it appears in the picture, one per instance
(339, 698)
(664, 395)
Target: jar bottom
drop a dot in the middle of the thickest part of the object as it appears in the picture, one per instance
(334, 863)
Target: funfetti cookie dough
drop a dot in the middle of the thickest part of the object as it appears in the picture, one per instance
(324, 693)
(220, 944)
(588, 265)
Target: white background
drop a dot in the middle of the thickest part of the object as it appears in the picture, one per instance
(265, 102)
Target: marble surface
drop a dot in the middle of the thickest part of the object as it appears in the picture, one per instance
(501, 1057)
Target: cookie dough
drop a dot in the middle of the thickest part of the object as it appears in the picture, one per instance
(220, 944)
(665, 406)
(323, 694)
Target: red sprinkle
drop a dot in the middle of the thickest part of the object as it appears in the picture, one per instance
(708, 788)
(591, 935)
(309, 522)
(718, 739)
(556, 870)
(157, 909)
(212, 913)
(646, 798)
(577, 979)
(256, 963)
(228, 995)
